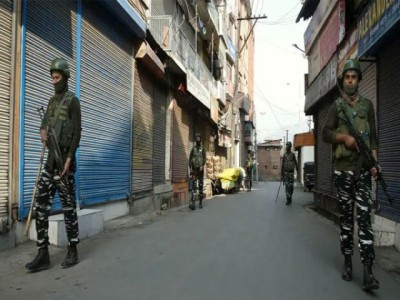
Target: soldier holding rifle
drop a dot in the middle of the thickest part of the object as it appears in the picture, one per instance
(61, 132)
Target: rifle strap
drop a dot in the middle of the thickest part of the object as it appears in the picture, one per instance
(343, 108)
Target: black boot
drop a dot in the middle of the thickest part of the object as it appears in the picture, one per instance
(348, 269)
(192, 205)
(369, 283)
(201, 201)
(288, 200)
(40, 262)
(71, 258)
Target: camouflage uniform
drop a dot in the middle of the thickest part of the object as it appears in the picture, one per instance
(289, 164)
(352, 192)
(47, 187)
(197, 160)
(353, 180)
(249, 169)
(62, 121)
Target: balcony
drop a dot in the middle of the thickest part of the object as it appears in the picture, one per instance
(208, 14)
(172, 40)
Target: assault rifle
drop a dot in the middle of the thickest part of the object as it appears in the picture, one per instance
(365, 158)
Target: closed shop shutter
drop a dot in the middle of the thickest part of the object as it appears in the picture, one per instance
(159, 130)
(5, 78)
(142, 174)
(324, 170)
(43, 42)
(106, 77)
(388, 124)
(368, 83)
(368, 89)
(180, 140)
(202, 126)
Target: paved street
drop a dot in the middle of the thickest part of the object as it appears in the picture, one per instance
(240, 246)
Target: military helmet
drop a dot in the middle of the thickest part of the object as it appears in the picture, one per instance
(289, 144)
(60, 64)
(198, 134)
(352, 64)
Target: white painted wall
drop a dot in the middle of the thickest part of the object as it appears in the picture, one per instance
(307, 155)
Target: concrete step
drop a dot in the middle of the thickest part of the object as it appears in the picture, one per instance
(384, 231)
(384, 236)
(91, 222)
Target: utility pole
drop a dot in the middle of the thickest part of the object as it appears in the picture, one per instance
(237, 60)
(287, 135)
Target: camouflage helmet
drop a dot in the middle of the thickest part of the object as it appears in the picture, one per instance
(197, 135)
(60, 64)
(289, 144)
(352, 64)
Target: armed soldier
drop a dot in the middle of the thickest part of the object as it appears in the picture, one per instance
(197, 160)
(249, 169)
(353, 181)
(289, 164)
(63, 119)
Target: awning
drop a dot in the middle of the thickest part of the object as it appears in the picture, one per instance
(307, 10)
(147, 56)
(124, 12)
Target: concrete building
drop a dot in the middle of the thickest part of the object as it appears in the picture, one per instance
(269, 160)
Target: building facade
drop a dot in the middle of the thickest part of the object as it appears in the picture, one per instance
(149, 75)
(269, 160)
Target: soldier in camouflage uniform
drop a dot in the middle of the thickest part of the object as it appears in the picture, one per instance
(289, 164)
(64, 115)
(249, 168)
(353, 190)
(197, 160)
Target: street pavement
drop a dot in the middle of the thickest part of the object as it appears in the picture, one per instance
(239, 246)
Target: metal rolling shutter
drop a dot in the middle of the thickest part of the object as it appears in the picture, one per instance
(142, 176)
(324, 169)
(368, 90)
(159, 133)
(43, 42)
(180, 142)
(202, 126)
(106, 76)
(388, 125)
(5, 78)
(368, 83)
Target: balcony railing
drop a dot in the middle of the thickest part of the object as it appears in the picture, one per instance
(171, 38)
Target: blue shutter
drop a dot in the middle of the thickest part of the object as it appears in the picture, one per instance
(43, 40)
(106, 77)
